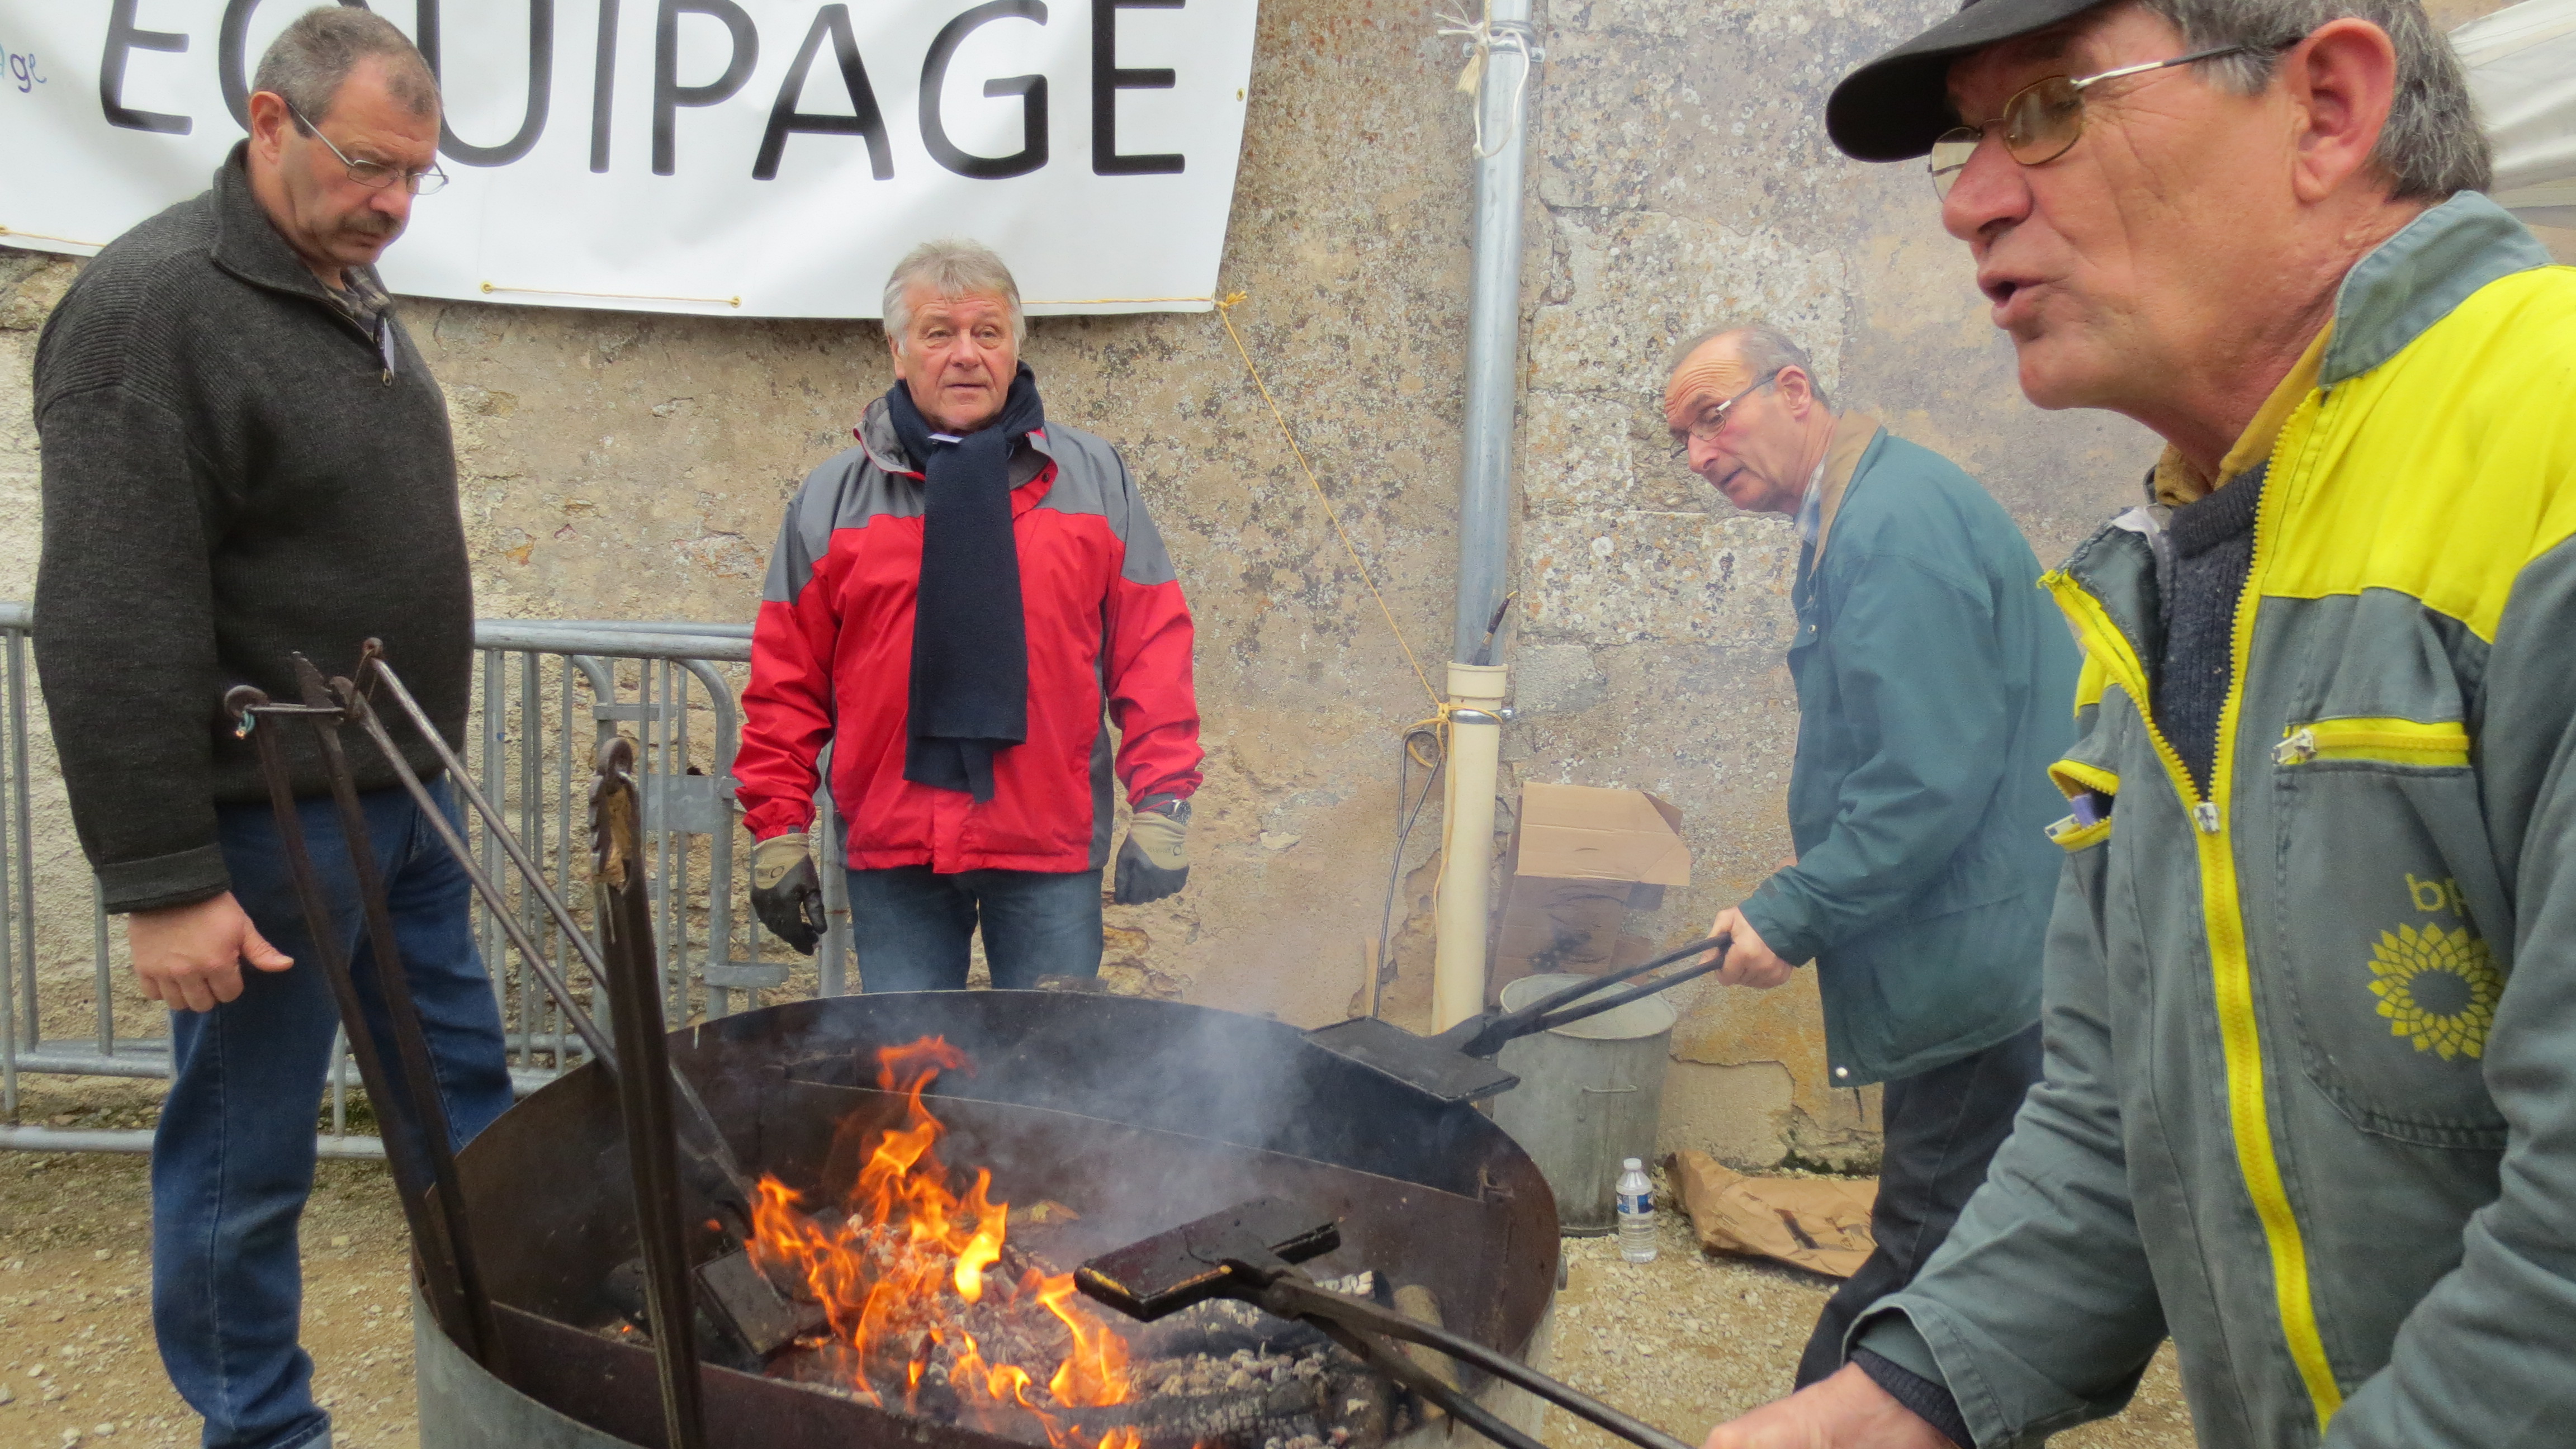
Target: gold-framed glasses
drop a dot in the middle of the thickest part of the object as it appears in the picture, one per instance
(2045, 119)
(1712, 420)
(374, 174)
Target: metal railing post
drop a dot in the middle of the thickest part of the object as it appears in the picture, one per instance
(670, 659)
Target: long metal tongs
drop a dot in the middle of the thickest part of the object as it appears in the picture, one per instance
(1485, 1034)
(1248, 1253)
(347, 700)
(1457, 1065)
(634, 984)
(419, 1140)
(704, 1162)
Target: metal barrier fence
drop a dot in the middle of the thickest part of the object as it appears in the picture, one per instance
(549, 691)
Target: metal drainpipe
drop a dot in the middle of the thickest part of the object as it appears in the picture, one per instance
(1477, 687)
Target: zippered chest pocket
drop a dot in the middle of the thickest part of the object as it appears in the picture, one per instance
(2389, 922)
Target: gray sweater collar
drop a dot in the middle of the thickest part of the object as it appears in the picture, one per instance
(247, 243)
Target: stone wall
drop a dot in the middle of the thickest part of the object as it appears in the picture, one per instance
(635, 466)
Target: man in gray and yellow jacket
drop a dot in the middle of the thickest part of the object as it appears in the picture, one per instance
(2310, 996)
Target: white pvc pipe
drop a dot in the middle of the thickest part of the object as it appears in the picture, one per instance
(1467, 843)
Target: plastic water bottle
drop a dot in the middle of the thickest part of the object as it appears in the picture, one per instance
(1636, 1213)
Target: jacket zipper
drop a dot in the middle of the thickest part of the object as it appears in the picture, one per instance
(2223, 926)
(2384, 741)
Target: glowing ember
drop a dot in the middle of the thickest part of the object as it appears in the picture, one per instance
(898, 1269)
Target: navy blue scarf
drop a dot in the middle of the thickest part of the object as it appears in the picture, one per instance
(970, 647)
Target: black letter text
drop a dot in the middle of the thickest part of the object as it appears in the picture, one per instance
(864, 120)
(1033, 111)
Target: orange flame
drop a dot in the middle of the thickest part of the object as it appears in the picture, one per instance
(895, 1274)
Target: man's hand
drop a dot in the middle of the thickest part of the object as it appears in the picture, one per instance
(786, 893)
(1155, 861)
(1749, 961)
(1846, 1410)
(189, 957)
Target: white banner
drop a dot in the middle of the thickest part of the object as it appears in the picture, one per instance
(765, 158)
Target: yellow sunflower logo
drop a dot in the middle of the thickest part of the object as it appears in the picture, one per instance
(2438, 987)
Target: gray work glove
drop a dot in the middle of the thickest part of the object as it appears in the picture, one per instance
(786, 893)
(1155, 861)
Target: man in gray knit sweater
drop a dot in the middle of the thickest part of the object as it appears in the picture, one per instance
(245, 457)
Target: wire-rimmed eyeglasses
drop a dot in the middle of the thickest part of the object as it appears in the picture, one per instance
(2045, 119)
(374, 174)
(1712, 419)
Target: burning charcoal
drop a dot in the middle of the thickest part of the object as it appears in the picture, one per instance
(1361, 1402)
(1223, 1375)
(936, 1401)
(1291, 1399)
(760, 1318)
(621, 1294)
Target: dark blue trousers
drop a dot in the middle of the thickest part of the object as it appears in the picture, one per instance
(1941, 1129)
(232, 1158)
(913, 927)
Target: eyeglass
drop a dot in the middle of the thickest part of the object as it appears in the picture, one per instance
(2044, 119)
(375, 174)
(1713, 421)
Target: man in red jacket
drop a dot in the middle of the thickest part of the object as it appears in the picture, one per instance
(954, 605)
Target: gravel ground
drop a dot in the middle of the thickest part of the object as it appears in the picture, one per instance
(77, 1365)
(1684, 1342)
(1691, 1340)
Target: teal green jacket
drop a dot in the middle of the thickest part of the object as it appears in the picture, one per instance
(1935, 688)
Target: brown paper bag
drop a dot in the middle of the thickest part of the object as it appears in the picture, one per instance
(1820, 1224)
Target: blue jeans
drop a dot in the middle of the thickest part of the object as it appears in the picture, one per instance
(912, 926)
(232, 1158)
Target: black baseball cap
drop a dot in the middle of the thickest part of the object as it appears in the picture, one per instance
(1895, 107)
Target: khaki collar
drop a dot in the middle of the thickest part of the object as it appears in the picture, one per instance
(1853, 433)
(2176, 482)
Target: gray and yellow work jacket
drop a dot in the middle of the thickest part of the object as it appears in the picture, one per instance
(2310, 1105)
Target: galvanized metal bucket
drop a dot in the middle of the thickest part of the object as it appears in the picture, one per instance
(1590, 1094)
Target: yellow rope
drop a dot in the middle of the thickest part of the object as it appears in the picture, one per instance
(1109, 301)
(491, 287)
(1225, 313)
(40, 236)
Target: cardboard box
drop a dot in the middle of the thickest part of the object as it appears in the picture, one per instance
(1581, 858)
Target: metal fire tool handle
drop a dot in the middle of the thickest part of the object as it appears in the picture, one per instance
(1457, 1065)
(1486, 1034)
(417, 1137)
(716, 1171)
(749, 1313)
(1248, 1253)
(634, 983)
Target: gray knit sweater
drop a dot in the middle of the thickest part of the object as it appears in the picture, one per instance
(231, 473)
(2213, 551)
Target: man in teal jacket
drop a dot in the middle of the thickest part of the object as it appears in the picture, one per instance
(1935, 686)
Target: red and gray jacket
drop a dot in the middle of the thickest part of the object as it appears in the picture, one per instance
(831, 662)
